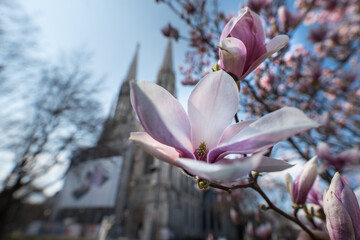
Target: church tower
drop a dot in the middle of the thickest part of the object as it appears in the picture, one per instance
(98, 178)
(166, 75)
(121, 120)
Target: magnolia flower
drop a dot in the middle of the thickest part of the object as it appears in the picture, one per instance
(342, 211)
(242, 44)
(300, 188)
(350, 156)
(201, 140)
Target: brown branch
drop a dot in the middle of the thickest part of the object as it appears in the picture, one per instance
(253, 184)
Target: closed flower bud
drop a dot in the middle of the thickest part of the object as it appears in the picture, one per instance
(300, 188)
(342, 211)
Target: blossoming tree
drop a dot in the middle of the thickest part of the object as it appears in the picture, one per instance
(218, 154)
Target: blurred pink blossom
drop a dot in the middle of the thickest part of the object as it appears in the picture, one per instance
(347, 157)
(170, 31)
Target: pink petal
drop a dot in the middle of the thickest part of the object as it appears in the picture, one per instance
(228, 170)
(247, 27)
(154, 148)
(233, 129)
(266, 132)
(258, 26)
(162, 116)
(232, 56)
(211, 106)
(277, 43)
(232, 23)
(272, 47)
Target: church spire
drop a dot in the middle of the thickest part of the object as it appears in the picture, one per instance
(133, 67)
(167, 61)
(166, 76)
(121, 118)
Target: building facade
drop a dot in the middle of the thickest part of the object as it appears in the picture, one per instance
(151, 199)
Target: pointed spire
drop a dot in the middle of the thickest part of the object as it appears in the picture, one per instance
(168, 62)
(166, 76)
(132, 70)
(121, 112)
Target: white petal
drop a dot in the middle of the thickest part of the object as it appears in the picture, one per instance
(162, 116)
(272, 165)
(266, 132)
(233, 129)
(227, 170)
(154, 148)
(211, 106)
(277, 43)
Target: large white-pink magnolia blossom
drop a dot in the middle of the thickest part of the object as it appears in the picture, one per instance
(201, 140)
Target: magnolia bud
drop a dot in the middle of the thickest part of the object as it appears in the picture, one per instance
(342, 211)
(242, 44)
(300, 188)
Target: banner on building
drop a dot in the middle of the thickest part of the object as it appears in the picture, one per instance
(92, 184)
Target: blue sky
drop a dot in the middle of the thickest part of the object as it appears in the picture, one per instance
(109, 30)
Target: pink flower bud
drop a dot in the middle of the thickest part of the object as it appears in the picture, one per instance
(300, 188)
(342, 211)
(170, 31)
(242, 44)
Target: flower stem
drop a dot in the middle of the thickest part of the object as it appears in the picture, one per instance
(236, 118)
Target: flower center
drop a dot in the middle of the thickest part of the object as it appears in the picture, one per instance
(201, 152)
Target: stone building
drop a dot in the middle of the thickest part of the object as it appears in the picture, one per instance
(152, 199)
